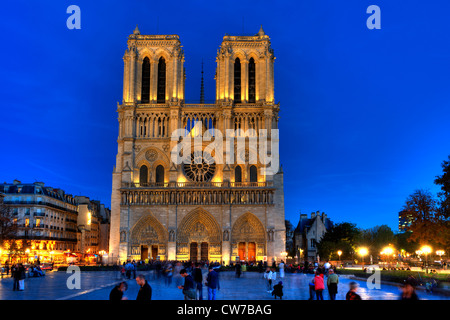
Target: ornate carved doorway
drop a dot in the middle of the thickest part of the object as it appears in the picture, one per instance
(241, 251)
(204, 251)
(248, 238)
(199, 237)
(193, 252)
(144, 253)
(154, 252)
(251, 251)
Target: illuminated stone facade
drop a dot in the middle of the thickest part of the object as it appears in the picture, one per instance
(195, 211)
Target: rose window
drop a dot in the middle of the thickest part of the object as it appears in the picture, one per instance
(201, 168)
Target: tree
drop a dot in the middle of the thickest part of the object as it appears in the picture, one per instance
(402, 241)
(8, 228)
(289, 238)
(444, 182)
(443, 209)
(376, 238)
(427, 219)
(341, 236)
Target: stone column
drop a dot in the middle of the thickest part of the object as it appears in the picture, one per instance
(153, 80)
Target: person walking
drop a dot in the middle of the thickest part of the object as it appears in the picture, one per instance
(128, 268)
(198, 281)
(238, 270)
(116, 293)
(16, 274)
(332, 284)
(188, 287)
(145, 291)
(134, 268)
(177, 274)
(212, 282)
(312, 290)
(409, 292)
(169, 274)
(351, 294)
(281, 267)
(270, 276)
(319, 285)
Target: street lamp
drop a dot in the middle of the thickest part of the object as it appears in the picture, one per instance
(363, 252)
(339, 254)
(388, 251)
(426, 250)
(301, 252)
(440, 253)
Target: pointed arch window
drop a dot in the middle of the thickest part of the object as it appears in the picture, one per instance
(143, 175)
(145, 87)
(253, 174)
(161, 93)
(159, 174)
(237, 81)
(237, 174)
(251, 81)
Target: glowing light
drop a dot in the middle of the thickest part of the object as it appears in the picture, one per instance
(440, 253)
(363, 252)
(387, 251)
(426, 249)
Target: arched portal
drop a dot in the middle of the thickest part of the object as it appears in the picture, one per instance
(248, 238)
(199, 237)
(148, 239)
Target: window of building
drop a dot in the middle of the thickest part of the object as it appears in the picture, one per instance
(145, 89)
(161, 93)
(238, 174)
(253, 174)
(27, 222)
(251, 81)
(143, 175)
(237, 81)
(159, 174)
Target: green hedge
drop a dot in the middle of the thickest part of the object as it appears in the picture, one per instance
(398, 276)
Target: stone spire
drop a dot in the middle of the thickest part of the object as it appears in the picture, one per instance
(136, 31)
(261, 32)
(202, 89)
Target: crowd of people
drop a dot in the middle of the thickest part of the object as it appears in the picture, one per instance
(189, 279)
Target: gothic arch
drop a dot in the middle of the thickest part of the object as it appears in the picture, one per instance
(199, 226)
(239, 53)
(162, 53)
(148, 230)
(248, 228)
(150, 159)
(145, 53)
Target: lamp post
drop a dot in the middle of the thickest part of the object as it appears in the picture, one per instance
(300, 250)
(388, 251)
(426, 250)
(363, 252)
(440, 253)
(339, 254)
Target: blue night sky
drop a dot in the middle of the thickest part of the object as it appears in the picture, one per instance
(364, 113)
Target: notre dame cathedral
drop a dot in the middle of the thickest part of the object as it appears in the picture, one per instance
(200, 209)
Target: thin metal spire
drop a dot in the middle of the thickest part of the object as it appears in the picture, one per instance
(202, 89)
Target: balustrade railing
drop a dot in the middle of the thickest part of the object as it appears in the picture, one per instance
(225, 184)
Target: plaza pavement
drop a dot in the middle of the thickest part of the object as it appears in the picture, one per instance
(251, 286)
